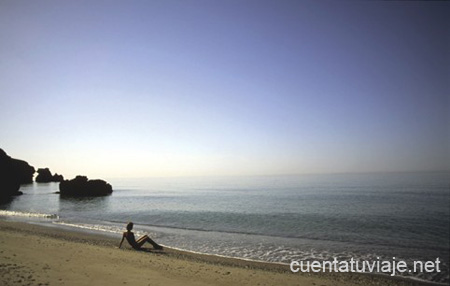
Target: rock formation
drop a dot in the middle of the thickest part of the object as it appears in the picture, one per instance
(45, 176)
(58, 178)
(82, 187)
(13, 173)
(23, 171)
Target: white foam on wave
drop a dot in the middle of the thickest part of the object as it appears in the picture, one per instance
(28, 214)
(97, 227)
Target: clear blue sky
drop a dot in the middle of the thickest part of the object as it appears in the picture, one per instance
(181, 88)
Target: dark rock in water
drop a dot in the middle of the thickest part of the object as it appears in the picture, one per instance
(82, 187)
(13, 173)
(45, 176)
(58, 178)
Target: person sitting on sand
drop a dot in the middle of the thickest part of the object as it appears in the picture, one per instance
(137, 244)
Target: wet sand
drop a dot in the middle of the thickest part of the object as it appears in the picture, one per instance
(32, 254)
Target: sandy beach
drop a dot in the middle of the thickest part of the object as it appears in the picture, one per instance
(32, 254)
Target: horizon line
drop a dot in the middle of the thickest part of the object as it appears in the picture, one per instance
(284, 175)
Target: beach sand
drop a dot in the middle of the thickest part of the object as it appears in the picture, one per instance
(32, 254)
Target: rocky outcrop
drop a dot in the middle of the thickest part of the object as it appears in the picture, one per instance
(45, 176)
(23, 171)
(58, 178)
(13, 173)
(82, 187)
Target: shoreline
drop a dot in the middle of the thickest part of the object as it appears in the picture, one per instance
(222, 270)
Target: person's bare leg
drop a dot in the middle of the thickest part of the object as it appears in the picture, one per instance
(144, 239)
(155, 245)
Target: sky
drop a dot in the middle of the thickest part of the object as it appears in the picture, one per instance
(211, 88)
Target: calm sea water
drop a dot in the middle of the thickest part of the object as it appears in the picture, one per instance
(271, 218)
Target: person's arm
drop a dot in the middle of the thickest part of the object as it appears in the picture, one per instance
(123, 237)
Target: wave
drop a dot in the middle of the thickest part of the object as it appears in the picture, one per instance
(97, 227)
(28, 214)
(257, 233)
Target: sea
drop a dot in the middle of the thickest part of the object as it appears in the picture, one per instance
(277, 219)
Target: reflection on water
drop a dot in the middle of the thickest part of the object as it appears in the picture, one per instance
(44, 197)
(37, 197)
(89, 206)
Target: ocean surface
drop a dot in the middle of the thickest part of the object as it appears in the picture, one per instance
(269, 218)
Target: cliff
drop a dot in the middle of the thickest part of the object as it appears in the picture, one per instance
(13, 173)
